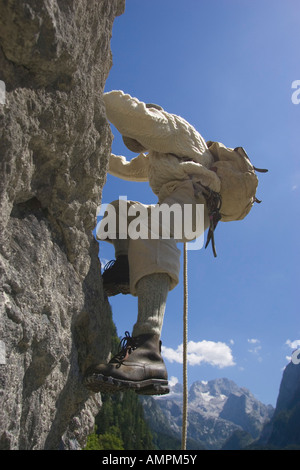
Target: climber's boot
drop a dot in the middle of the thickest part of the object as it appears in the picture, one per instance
(116, 276)
(138, 366)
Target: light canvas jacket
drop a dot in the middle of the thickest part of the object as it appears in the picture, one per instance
(169, 140)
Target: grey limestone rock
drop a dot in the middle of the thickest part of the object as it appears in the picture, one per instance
(55, 319)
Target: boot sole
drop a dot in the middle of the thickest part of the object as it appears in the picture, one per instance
(100, 383)
(115, 289)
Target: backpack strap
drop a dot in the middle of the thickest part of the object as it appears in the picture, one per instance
(260, 170)
(214, 202)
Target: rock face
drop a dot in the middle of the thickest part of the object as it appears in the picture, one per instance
(55, 319)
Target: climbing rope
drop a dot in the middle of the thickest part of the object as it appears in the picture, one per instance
(185, 341)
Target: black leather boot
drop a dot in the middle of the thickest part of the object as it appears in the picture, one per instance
(116, 276)
(138, 366)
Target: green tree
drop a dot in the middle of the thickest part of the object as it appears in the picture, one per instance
(110, 441)
(120, 425)
(93, 441)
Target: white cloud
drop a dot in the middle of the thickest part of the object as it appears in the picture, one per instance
(256, 346)
(214, 353)
(253, 341)
(293, 344)
(173, 381)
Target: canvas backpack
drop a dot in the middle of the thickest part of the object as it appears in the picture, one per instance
(238, 181)
(238, 187)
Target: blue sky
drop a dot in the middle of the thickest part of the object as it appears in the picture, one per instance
(226, 66)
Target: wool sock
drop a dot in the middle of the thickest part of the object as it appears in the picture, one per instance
(152, 293)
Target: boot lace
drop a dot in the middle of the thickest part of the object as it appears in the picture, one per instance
(109, 265)
(126, 346)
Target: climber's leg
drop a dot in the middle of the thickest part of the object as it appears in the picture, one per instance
(187, 196)
(147, 257)
(115, 276)
(121, 247)
(114, 229)
(154, 265)
(139, 365)
(152, 293)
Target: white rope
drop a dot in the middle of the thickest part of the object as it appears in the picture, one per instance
(185, 341)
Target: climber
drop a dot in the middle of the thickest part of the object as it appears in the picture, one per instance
(181, 170)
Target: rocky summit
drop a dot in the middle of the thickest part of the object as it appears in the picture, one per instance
(216, 409)
(283, 431)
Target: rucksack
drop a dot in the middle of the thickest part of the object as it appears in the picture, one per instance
(238, 186)
(238, 180)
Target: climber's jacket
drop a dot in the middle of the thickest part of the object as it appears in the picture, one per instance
(162, 135)
(177, 152)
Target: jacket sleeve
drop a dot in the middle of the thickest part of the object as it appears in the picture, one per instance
(134, 170)
(155, 129)
(199, 172)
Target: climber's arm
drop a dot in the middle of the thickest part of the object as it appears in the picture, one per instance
(134, 170)
(207, 177)
(155, 129)
(132, 118)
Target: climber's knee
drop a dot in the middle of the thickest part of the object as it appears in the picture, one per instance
(153, 256)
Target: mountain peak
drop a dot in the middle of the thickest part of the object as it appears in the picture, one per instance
(216, 409)
(215, 388)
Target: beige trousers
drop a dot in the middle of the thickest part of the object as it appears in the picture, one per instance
(150, 255)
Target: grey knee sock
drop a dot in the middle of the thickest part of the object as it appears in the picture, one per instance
(152, 292)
